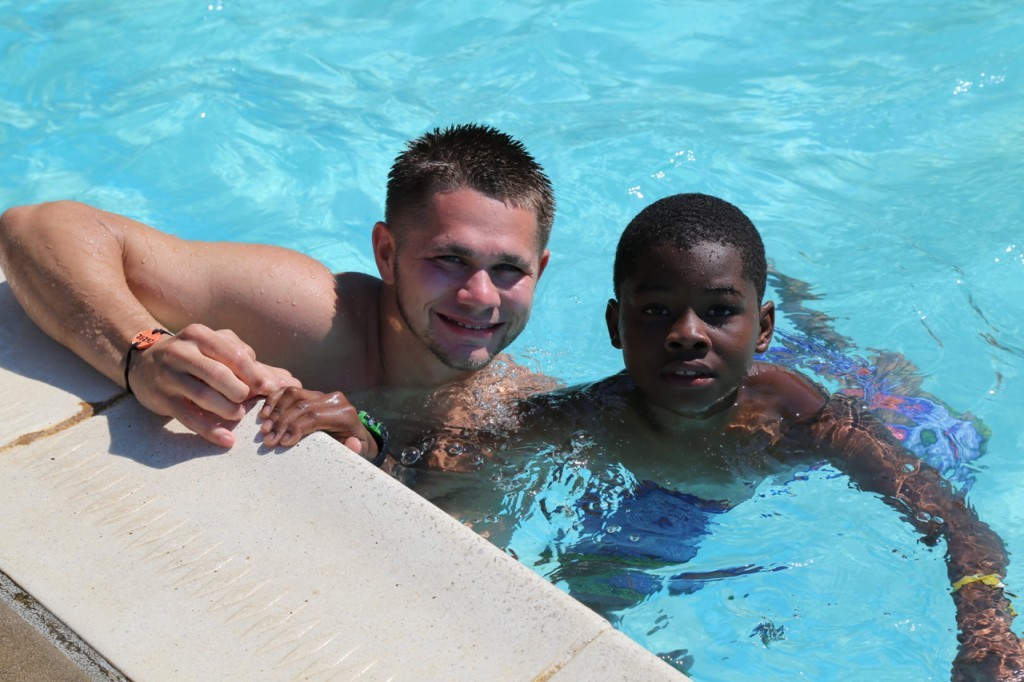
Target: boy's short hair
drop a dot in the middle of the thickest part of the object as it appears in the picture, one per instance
(684, 221)
(470, 156)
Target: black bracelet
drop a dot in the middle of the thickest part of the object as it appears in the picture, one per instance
(380, 437)
(141, 341)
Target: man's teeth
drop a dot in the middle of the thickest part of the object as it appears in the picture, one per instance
(474, 327)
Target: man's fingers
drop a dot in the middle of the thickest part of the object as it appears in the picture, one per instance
(206, 398)
(205, 425)
(227, 364)
(204, 378)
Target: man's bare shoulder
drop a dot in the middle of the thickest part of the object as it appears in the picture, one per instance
(357, 287)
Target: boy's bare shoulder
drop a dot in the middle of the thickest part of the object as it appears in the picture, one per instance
(579, 405)
(782, 391)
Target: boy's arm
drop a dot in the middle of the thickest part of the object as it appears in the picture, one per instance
(861, 446)
(92, 280)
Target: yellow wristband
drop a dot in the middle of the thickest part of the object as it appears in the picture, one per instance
(991, 579)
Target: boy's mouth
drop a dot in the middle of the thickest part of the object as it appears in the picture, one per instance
(689, 376)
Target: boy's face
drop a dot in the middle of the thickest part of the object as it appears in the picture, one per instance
(688, 323)
(464, 275)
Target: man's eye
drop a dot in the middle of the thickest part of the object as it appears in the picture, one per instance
(508, 269)
(449, 260)
(654, 310)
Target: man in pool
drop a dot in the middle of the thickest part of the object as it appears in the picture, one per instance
(692, 406)
(463, 243)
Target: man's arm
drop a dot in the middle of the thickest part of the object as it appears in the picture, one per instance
(92, 280)
(861, 446)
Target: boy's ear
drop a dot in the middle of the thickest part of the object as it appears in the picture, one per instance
(767, 323)
(611, 318)
(384, 250)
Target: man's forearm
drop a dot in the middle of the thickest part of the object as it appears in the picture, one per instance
(64, 263)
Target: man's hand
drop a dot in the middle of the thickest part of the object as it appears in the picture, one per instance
(203, 378)
(293, 412)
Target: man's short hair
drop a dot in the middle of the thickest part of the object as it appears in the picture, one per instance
(470, 156)
(684, 221)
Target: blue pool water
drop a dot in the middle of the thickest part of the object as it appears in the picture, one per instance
(877, 146)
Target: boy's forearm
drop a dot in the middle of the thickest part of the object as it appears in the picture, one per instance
(65, 268)
(864, 449)
(973, 548)
(976, 556)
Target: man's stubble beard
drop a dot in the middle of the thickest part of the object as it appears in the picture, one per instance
(468, 365)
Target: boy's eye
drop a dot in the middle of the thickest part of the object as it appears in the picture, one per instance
(721, 311)
(654, 309)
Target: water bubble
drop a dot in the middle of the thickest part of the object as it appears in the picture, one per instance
(581, 439)
(409, 456)
(456, 449)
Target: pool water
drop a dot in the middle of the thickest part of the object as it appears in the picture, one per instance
(876, 146)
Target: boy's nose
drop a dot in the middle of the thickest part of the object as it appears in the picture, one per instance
(688, 333)
(479, 291)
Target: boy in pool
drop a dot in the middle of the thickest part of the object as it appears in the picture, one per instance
(693, 406)
(689, 317)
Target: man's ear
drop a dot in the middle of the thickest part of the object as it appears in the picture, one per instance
(385, 251)
(543, 262)
(611, 318)
(767, 323)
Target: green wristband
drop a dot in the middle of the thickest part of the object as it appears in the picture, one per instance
(380, 436)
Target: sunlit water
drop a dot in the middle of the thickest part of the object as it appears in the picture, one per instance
(878, 148)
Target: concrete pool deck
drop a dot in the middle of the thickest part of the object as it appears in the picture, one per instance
(129, 546)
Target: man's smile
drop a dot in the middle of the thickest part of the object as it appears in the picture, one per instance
(469, 325)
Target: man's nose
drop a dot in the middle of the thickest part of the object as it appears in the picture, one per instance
(479, 291)
(688, 332)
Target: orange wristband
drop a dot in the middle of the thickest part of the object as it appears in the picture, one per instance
(141, 341)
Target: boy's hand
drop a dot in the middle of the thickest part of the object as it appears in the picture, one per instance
(293, 412)
(1001, 659)
(989, 649)
(203, 378)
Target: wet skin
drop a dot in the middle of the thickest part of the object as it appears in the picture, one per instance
(464, 275)
(689, 325)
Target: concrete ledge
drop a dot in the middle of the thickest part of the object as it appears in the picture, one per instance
(177, 560)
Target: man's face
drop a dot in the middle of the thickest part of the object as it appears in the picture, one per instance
(689, 324)
(465, 270)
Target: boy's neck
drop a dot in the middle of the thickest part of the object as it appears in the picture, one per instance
(666, 423)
